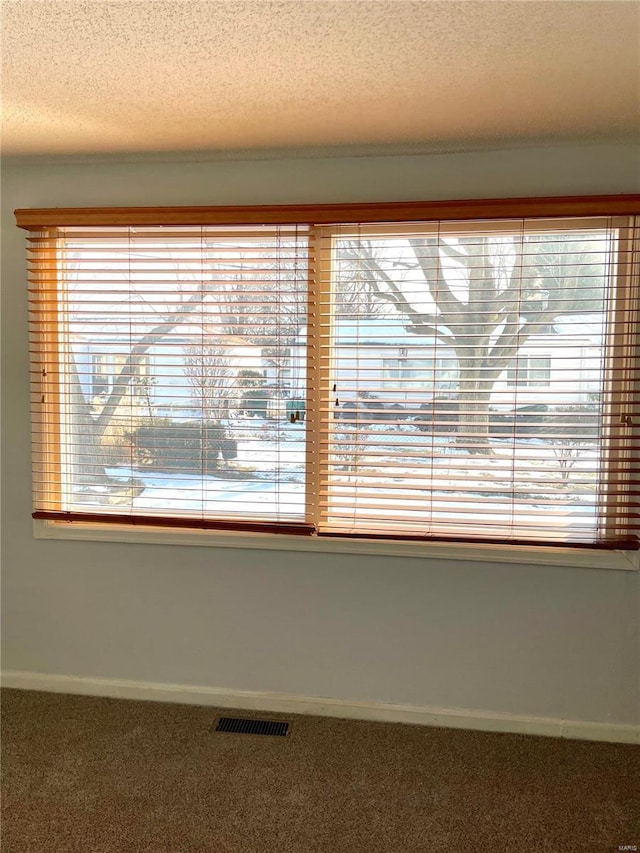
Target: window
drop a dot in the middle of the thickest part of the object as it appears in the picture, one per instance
(101, 374)
(530, 371)
(105, 367)
(406, 372)
(452, 371)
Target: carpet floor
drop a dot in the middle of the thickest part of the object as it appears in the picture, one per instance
(92, 775)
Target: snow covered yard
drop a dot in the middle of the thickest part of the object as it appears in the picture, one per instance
(376, 471)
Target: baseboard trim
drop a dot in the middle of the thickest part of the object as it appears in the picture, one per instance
(282, 703)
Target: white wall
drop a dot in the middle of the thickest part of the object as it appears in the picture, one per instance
(532, 640)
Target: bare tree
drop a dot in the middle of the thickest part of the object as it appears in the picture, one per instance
(567, 452)
(86, 431)
(266, 306)
(211, 375)
(356, 294)
(485, 320)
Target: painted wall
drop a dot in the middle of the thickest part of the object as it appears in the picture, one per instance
(533, 640)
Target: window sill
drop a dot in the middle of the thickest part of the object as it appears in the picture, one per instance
(515, 554)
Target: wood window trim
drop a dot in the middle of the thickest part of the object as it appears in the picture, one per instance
(319, 214)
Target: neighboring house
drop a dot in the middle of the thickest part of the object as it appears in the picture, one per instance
(166, 389)
(379, 356)
(562, 367)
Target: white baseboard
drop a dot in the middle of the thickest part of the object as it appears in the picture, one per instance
(282, 703)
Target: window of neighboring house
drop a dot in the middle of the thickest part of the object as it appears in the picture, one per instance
(105, 367)
(403, 369)
(101, 374)
(530, 371)
(141, 382)
(342, 379)
(418, 373)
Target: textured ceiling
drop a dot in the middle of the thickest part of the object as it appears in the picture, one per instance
(102, 76)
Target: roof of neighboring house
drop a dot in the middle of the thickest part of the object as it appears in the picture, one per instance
(376, 331)
(589, 326)
(391, 331)
(383, 332)
(105, 337)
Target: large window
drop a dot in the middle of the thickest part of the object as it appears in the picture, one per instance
(357, 371)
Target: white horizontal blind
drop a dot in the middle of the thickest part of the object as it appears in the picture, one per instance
(160, 359)
(482, 381)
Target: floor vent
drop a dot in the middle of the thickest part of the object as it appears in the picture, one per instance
(238, 725)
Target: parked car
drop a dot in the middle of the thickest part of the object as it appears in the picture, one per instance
(440, 415)
(521, 420)
(368, 408)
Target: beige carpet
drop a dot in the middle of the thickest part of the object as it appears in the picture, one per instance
(87, 775)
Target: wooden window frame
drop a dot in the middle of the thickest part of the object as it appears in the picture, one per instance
(381, 217)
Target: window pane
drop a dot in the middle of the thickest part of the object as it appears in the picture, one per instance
(175, 395)
(468, 370)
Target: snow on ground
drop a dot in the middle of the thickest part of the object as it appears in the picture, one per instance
(395, 465)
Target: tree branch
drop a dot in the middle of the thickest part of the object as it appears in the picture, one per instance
(134, 358)
(424, 326)
(394, 294)
(427, 255)
(508, 344)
